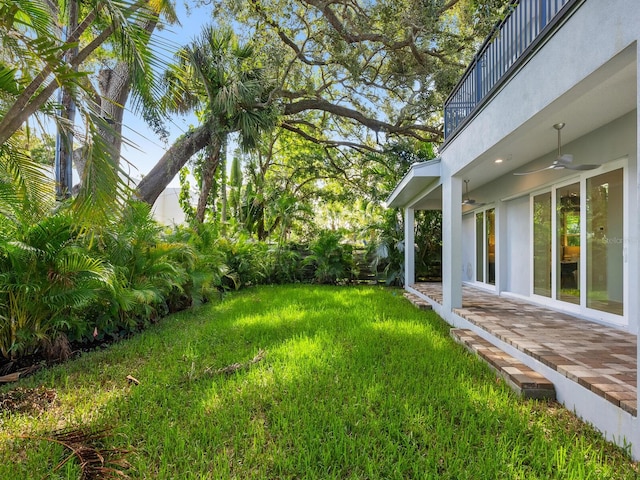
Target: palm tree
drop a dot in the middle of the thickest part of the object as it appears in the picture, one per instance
(35, 61)
(221, 80)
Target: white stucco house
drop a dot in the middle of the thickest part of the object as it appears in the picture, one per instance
(523, 215)
(167, 209)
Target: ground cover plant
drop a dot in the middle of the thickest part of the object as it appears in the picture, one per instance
(296, 382)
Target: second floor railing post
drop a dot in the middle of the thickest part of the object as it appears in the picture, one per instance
(478, 86)
(543, 14)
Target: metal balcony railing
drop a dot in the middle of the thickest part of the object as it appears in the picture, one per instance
(510, 41)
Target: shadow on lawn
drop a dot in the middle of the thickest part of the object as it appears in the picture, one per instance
(355, 383)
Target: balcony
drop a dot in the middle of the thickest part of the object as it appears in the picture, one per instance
(511, 42)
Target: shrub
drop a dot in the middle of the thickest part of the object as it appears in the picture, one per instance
(332, 261)
(48, 276)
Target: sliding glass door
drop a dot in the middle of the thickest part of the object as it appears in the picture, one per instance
(568, 243)
(578, 232)
(542, 246)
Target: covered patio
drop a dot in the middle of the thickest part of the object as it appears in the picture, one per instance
(597, 358)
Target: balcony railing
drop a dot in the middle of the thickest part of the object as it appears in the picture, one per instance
(511, 40)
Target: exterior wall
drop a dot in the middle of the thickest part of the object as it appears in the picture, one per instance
(598, 42)
(613, 142)
(468, 248)
(595, 38)
(518, 249)
(166, 209)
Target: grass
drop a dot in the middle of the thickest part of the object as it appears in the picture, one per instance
(355, 383)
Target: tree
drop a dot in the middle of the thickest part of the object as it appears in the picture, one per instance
(384, 65)
(36, 59)
(219, 78)
(235, 184)
(352, 74)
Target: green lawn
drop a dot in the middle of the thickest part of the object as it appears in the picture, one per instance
(354, 383)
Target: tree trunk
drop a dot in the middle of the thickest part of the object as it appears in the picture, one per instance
(64, 143)
(223, 182)
(115, 87)
(208, 173)
(152, 185)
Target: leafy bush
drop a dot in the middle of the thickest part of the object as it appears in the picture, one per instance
(332, 261)
(387, 248)
(47, 277)
(148, 270)
(207, 272)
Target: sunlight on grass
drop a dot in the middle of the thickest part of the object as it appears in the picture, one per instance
(354, 383)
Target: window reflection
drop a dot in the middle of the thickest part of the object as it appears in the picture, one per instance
(605, 242)
(542, 244)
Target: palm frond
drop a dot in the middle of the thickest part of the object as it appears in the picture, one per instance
(104, 186)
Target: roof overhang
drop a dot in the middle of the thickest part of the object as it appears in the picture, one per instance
(415, 184)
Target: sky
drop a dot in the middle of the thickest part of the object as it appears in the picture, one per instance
(149, 147)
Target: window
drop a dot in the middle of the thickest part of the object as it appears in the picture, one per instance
(486, 246)
(604, 242)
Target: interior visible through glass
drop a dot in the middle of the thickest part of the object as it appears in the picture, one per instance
(568, 243)
(491, 246)
(480, 247)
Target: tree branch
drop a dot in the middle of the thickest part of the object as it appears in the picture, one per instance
(371, 123)
(152, 185)
(329, 143)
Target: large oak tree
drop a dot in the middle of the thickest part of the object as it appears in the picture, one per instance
(349, 73)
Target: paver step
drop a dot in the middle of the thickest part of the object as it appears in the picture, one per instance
(417, 301)
(522, 379)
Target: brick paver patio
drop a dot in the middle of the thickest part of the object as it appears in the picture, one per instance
(601, 359)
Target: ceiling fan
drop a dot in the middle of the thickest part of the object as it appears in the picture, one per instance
(561, 161)
(467, 200)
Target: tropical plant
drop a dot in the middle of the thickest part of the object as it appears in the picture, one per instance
(246, 259)
(47, 277)
(47, 45)
(332, 261)
(220, 79)
(428, 240)
(148, 269)
(208, 272)
(386, 247)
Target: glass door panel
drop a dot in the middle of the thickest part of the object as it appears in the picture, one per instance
(568, 243)
(605, 242)
(542, 244)
(491, 246)
(480, 247)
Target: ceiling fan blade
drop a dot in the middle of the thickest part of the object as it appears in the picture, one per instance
(565, 159)
(550, 167)
(472, 203)
(582, 167)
